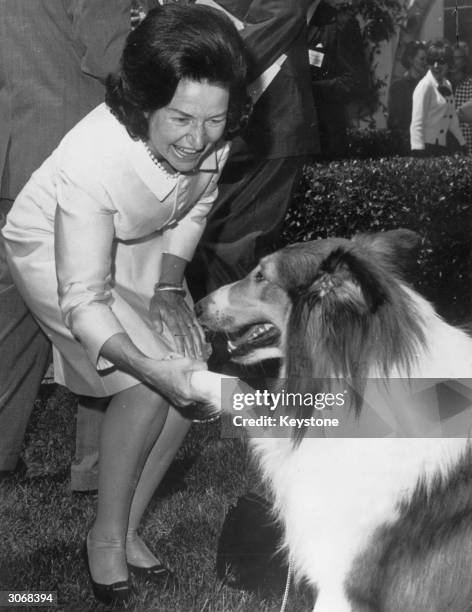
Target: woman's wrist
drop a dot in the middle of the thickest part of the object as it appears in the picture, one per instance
(170, 287)
(124, 354)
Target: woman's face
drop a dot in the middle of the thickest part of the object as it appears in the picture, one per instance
(460, 60)
(418, 64)
(438, 65)
(182, 132)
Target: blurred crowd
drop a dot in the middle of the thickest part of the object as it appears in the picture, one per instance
(432, 102)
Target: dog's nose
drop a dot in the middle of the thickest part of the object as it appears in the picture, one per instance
(199, 308)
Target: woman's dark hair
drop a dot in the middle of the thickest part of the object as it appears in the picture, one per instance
(437, 47)
(410, 52)
(175, 42)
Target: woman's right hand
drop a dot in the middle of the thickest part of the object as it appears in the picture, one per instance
(172, 378)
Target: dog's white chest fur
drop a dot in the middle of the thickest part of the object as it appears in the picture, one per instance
(332, 494)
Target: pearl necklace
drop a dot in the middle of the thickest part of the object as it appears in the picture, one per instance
(168, 175)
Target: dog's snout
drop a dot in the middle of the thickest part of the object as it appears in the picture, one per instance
(203, 307)
(199, 309)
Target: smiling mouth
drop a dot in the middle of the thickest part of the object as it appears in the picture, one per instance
(183, 153)
(251, 337)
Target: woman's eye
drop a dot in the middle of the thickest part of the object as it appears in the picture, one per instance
(181, 120)
(258, 277)
(217, 122)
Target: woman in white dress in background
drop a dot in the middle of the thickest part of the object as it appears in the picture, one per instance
(98, 241)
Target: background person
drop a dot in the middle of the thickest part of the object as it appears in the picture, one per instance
(435, 128)
(115, 214)
(461, 79)
(339, 73)
(52, 57)
(266, 161)
(401, 90)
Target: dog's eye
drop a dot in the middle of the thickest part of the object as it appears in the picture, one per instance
(258, 277)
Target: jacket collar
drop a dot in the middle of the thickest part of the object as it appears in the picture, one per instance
(156, 179)
(430, 78)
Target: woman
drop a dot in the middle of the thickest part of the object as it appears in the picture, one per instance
(115, 213)
(434, 128)
(461, 78)
(401, 90)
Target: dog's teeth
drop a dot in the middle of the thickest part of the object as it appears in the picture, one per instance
(260, 329)
(231, 346)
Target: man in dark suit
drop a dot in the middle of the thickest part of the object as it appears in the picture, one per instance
(339, 71)
(265, 163)
(53, 55)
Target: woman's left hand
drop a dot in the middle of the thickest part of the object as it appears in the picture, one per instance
(170, 308)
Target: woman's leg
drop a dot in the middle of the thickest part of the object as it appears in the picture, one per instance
(84, 469)
(156, 466)
(133, 421)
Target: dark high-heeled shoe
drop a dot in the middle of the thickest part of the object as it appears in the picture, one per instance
(118, 592)
(155, 573)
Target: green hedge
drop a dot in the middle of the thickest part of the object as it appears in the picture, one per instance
(367, 143)
(431, 196)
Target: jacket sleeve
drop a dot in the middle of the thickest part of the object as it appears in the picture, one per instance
(270, 28)
(418, 114)
(84, 233)
(101, 27)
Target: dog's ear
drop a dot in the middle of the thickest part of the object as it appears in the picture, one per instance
(345, 277)
(397, 249)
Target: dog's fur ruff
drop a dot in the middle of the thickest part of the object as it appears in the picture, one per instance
(378, 525)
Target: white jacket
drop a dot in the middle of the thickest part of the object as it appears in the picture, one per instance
(433, 115)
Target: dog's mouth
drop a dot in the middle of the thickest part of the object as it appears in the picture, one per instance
(251, 337)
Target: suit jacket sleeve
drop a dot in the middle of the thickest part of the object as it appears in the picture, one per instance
(270, 28)
(102, 28)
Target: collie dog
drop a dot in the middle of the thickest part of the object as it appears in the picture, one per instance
(377, 524)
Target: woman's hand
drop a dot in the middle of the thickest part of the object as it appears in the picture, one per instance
(170, 308)
(172, 378)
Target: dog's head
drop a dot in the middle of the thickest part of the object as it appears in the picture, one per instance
(252, 313)
(337, 301)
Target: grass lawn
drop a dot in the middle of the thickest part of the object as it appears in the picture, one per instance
(43, 524)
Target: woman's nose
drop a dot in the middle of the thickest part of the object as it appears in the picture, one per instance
(197, 137)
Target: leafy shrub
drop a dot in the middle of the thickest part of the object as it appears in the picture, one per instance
(367, 143)
(431, 196)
